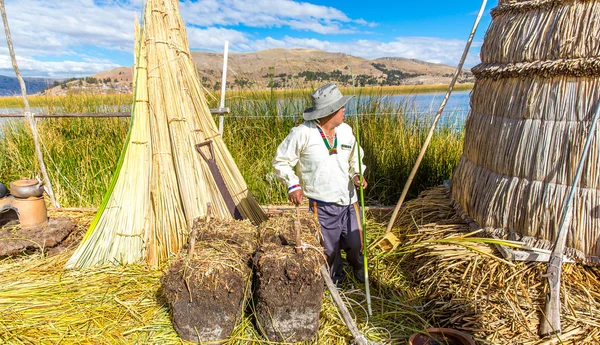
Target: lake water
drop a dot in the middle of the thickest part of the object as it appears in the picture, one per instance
(427, 104)
(418, 105)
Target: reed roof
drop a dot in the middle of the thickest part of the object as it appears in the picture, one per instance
(536, 90)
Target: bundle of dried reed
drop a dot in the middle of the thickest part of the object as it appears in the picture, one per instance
(532, 30)
(162, 182)
(125, 210)
(536, 90)
(465, 284)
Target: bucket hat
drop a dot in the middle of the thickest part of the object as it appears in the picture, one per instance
(326, 100)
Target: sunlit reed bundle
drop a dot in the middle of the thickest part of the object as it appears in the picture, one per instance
(123, 218)
(537, 89)
(159, 192)
(464, 283)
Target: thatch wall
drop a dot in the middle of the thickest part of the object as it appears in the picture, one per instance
(536, 91)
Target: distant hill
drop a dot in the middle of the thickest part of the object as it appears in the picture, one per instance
(9, 86)
(284, 68)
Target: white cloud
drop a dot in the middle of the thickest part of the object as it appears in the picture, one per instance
(43, 31)
(76, 31)
(430, 49)
(268, 13)
(214, 38)
(56, 69)
(53, 28)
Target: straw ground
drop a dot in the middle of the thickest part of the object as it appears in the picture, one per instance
(465, 284)
(43, 304)
(457, 278)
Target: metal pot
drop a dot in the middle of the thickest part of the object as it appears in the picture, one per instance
(26, 188)
(3, 190)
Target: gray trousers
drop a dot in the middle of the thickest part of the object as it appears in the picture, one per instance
(341, 229)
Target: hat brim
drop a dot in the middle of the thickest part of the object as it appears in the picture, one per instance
(313, 114)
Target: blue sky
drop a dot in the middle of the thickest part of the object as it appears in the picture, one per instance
(72, 38)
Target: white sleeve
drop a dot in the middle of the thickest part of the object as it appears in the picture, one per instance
(287, 156)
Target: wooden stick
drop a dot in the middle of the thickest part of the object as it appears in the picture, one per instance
(28, 115)
(223, 84)
(437, 118)
(298, 230)
(550, 323)
(359, 339)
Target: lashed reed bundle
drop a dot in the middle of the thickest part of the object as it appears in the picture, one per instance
(154, 199)
(464, 284)
(536, 91)
(125, 213)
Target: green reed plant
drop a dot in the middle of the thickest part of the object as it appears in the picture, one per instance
(72, 103)
(82, 153)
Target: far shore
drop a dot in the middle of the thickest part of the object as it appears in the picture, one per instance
(43, 100)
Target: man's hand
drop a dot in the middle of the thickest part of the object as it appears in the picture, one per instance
(296, 197)
(356, 180)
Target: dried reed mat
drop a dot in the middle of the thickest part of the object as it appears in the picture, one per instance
(536, 91)
(162, 183)
(466, 285)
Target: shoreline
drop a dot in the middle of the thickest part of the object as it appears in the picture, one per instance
(17, 101)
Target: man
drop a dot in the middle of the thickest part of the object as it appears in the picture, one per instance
(324, 153)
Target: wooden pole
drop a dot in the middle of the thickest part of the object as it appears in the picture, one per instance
(28, 114)
(437, 118)
(359, 339)
(223, 84)
(550, 323)
(298, 231)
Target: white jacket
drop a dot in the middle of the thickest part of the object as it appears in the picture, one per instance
(323, 177)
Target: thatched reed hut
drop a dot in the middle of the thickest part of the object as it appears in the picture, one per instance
(535, 94)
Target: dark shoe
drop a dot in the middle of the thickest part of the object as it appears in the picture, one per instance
(338, 281)
(359, 275)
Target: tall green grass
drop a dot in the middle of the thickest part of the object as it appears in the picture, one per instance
(72, 103)
(81, 153)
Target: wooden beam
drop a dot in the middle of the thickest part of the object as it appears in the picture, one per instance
(359, 339)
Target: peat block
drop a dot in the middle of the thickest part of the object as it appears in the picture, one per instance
(14, 240)
(288, 291)
(241, 235)
(280, 229)
(207, 291)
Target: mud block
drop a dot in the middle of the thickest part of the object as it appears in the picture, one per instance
(14, 240)
(207, 293)
(288, 292)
